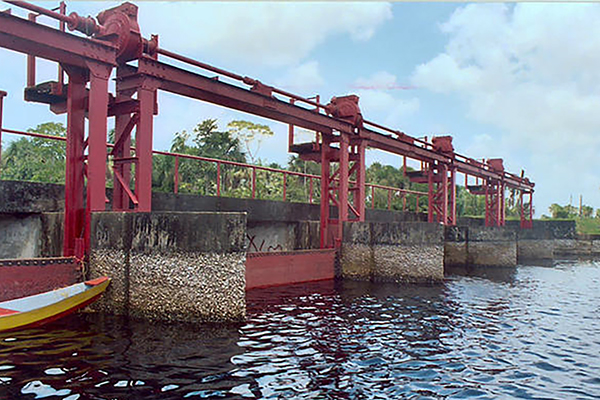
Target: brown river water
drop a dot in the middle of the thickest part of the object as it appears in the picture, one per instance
(528, 332)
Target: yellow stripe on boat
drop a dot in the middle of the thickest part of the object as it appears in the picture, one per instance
(51, 311)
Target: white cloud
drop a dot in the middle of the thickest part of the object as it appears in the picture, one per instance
(377, 103)
(305, 78)
(532, 70)
(263, 33)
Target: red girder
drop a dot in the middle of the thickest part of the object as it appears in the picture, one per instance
(29, 37)
(526, 210)
(442, 194)
(190, 84)
(494, 203)
(116, 39)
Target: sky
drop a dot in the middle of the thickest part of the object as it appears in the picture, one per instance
(518, 81)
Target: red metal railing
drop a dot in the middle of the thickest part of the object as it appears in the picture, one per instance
(392, 192)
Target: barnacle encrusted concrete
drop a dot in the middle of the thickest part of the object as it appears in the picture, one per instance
(492, 247)
(473, 244)
(396, 252)
(171, 266)
(480, 246)
(409, 263)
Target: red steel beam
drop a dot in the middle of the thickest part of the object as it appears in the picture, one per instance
(190, 84)
(31, 38)
(150, 74)
(417, 149)
(74, 175)
(28, 37)
(2, 95)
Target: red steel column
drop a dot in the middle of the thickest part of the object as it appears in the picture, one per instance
(452, 220)
(489, 209)
(75, 169)
(97, 116)
(2, 95)
(430, 194)
(325, 171)
(291, 131)
(502, 203)
(445, 183)
(31, 58)
(120, 197)
(343, 187)
(360, 194)
(530, 225)
(143, 147)
(176, 178)
(496, 205)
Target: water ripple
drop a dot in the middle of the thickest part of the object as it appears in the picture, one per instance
(530, 332)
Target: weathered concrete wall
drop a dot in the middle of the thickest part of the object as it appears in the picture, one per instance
(264, 236)
(308, 235)
(480, 246)
(24, 229)
(545, 240)
(171, 266)
(20, 235)
(52, 234)
(272, 225)
(456, 246)
(31, 197)
(399, 252)
(30, 235)
(266, 210)
(471, 243)
(492, 247)
(582, 247)
(271, 236)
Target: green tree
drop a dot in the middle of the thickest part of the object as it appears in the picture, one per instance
(562, 212)
(468, 204)
(587, 211)
(388, 175)
(36, 159)
(298, 187)
(250, 135)
(198, 176)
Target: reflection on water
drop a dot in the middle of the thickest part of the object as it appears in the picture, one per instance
(529, 332)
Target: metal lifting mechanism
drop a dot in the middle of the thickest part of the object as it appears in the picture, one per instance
(341, 133)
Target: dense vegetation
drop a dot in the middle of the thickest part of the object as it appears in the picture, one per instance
(43, 160)
(587, 221)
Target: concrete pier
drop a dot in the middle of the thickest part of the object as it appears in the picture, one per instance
(194, 257)
(480, 246)
(171, 266)
(397, 252)
(547, 241)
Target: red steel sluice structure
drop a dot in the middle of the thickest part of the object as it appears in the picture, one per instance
(219, 186)
(113, 42)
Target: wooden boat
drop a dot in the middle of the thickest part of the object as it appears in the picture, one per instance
(49, 306)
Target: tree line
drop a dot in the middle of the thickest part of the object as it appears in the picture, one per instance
(43, 160)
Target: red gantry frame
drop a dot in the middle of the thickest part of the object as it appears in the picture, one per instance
(114, 42)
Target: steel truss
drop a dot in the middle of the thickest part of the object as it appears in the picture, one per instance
(114, 40)
(441, 179)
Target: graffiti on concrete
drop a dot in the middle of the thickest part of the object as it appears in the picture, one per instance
(253, 245)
